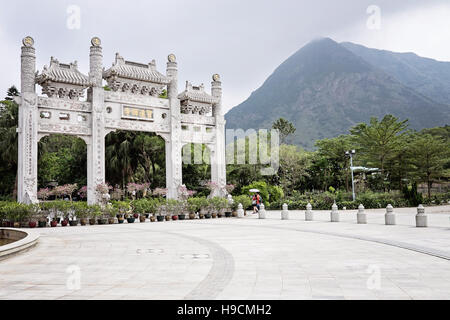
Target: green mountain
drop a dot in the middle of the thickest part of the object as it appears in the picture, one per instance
(325, 88)
(427, 76)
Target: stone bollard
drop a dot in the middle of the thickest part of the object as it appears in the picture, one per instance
(361, 216)
(240, 211)
(390, 215)
(421, 217)
(309, 214)
(285, 212)
(262, 211)
(334, 213)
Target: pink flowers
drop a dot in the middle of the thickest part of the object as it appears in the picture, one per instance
(137, 186)
(83, 192)
(103, 188)
(65, 190)
(44, 193)
(184, 193)
(160, 192)
(211, 185)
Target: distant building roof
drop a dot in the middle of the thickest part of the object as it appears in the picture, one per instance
(62, 73)
(197, 94)
(135, 71)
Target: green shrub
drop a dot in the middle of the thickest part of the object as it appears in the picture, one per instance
(244, 199)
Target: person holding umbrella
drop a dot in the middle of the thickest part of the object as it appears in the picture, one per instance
(256, 200)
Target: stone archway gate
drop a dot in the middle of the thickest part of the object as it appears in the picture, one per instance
(132, 103)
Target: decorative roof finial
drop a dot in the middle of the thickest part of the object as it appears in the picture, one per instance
(96, 42)
(216, 77)
(171, 57)
(28, 41)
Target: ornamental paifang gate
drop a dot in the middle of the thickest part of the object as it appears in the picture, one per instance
(193, 116)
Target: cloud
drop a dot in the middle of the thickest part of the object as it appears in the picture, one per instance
(423, 30)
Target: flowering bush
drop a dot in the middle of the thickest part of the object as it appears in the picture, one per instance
(211, 185)
(134, 188)
(66, 189)
(230, 188)
(44, 193)
(160, 192)
(83, 192)
(184, 193)
(103, 188)
(117, 193)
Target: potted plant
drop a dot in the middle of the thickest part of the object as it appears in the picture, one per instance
(129, 216)
(202, 207)
(139, 208)
(11, 216)
(55, 212)
(123, 208)
(210, 208)
(217, 205)
(64, 209)
(112, 212)
(102, 218)
(192, 207)
(161, 210)
(33, 214)
(94, 212)
(81, 212)
(142, 218)
(178, 210)
(172, 207)
(233, 207)
(181, 208)
(15, 215)
(152, 206)
(21, 215)
(44, 213)
(72, 218)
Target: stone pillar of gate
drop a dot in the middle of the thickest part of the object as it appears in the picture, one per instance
(96, 147)
(174, 176)
(218, 164)
(27, 126)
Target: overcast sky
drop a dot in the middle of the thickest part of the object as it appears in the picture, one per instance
(242, 40)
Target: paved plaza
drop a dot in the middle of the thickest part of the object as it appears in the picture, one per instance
(235, 258)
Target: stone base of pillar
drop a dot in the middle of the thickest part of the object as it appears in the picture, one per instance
(335, 216)
(389, 219)
(285, 212)
(361, 218)
(262, 212)
(421, 221)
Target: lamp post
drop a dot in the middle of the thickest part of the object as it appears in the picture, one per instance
(350, 154)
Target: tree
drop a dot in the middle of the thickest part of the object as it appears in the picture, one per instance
(428, 155)
(285, 129)
(378, 141)
(334, 166)
(293, 173)
(11, 93)
(9, 119)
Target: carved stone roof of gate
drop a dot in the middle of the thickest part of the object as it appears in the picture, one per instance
(135, 71)
(62, 73)
(197, 94)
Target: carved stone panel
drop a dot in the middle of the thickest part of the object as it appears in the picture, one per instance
(69, 105)
(135, 125)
